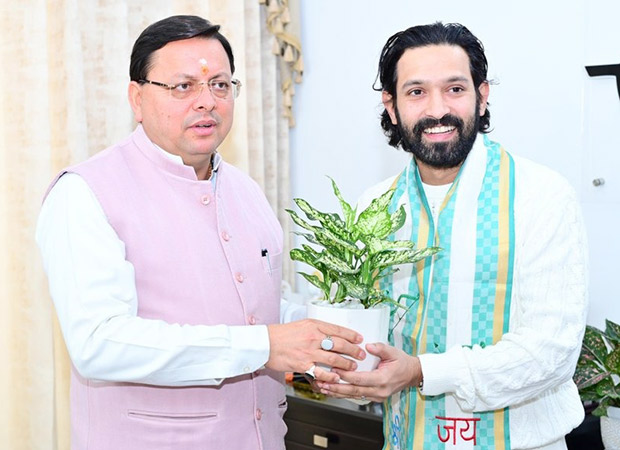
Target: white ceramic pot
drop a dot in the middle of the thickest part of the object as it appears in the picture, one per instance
(610, 429)
(373, 324)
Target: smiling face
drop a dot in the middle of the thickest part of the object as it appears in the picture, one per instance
(436, 108)
(192, 128)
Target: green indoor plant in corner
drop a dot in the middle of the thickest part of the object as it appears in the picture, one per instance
(597, 377)
(351, 254)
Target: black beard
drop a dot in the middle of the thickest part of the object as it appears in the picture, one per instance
(441, 155)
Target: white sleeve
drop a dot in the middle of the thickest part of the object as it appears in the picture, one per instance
(94, 293)
(541, 349)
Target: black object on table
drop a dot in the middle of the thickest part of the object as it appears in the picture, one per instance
(586, 436)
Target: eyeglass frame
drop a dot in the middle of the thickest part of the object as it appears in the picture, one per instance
(236, 87)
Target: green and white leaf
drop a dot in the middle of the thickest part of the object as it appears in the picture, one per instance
(332, 222)
(376, 220)
(398, 219)
(299, 221)
(354, 287)
(304, 256)
(347, 211)
(315, 280)
(390, 258)
(378, 245)
(378, 224)
(307, 236)
(329, 239)
(336, 264)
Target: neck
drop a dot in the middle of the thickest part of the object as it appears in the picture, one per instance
(437, 176)
(203, 168)
(205, 174)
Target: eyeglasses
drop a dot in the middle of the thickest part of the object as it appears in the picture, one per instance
(189, 90)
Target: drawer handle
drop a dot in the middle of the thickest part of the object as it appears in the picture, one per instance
(319, 441)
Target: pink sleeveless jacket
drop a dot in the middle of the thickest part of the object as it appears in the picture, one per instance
(197, 259)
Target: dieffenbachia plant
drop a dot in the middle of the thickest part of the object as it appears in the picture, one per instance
(352, 253)
(598, 370)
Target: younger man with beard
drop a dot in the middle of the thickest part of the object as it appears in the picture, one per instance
(486, 354)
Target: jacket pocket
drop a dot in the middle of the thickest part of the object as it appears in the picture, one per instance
(164, 430)
(272, 262)
(171, 417)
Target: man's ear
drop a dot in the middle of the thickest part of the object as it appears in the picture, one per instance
(134, 93)
(483, 89)
(388, 103)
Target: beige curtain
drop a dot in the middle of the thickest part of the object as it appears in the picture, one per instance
(64, 80)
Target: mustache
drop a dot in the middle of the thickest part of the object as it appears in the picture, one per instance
(212, 115)
(429, 122)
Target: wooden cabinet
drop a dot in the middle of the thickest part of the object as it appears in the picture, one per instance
(332, 424)
(340, 424)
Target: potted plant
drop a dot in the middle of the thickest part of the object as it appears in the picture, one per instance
(351, 255)
(598, 378)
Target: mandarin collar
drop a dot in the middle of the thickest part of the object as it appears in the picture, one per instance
(167, 161)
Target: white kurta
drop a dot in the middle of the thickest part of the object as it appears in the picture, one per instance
(72, 219)
(530, 369)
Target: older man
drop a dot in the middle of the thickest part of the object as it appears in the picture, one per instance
(164, 264)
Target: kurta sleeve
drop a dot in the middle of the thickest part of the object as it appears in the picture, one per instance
(548, 316)
(94, 292)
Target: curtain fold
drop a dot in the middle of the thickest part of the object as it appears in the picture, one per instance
(64, 98)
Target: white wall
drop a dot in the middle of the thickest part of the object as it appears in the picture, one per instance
(545, 107)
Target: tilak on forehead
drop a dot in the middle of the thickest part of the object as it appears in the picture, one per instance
(204, 68)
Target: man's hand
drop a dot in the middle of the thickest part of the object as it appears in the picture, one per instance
(396, 371)
(296, 346)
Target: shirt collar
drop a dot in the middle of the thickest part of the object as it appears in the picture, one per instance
(178, 160)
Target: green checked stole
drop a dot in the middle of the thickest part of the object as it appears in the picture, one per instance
(463, 295)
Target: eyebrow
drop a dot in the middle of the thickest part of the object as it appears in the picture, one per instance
(453, 79)
(194, 78)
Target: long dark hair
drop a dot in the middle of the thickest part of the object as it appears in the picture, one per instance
(421, 36)
(174, 28)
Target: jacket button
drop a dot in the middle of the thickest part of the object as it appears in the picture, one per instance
(205, 200)
(225, 236)
(239, 277)
(252, 320)
(259, 414)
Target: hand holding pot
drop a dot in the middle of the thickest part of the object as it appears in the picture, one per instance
(296, 346)
(396, 371)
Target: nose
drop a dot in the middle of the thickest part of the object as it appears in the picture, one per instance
(206, 99)
(436, 107)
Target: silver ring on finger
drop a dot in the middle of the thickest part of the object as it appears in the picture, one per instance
(310, 372)
(327, 344)
(363, 398)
